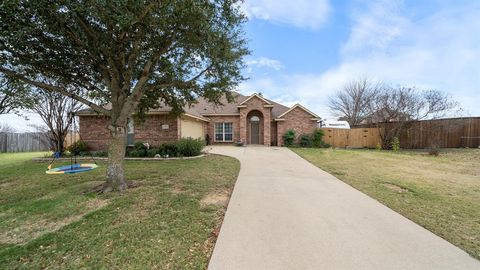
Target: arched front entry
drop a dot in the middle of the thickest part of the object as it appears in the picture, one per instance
(255, 127)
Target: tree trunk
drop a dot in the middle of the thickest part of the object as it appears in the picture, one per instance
(116, 156)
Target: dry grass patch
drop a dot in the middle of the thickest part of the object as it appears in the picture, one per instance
(395, 188)
(217, 198)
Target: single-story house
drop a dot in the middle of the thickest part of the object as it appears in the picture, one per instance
(249, 119)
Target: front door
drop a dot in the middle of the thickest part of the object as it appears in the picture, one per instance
(255, 132)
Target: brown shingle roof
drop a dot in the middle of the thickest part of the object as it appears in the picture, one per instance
(203, 108)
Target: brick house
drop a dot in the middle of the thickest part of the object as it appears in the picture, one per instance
(249, 119)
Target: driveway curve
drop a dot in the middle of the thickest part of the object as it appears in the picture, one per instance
(285, 213)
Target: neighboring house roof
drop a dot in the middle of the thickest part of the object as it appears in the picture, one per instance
(202, 109)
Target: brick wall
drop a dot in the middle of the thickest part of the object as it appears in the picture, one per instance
(94, 130)
(256, 104)
(297, 120)
(274, 133)
(223, 119)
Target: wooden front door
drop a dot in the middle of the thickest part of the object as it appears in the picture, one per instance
(255, 132)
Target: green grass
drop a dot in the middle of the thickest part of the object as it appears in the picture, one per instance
(440, 193)
(46, 222)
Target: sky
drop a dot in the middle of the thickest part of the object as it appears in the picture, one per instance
(304, 51)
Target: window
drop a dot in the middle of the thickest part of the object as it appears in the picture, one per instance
(255, 119)
(223, 132)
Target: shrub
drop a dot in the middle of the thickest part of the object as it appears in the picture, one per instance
(317, 138)
(99, 153)
(140, 146)
(434, 150)
(289, 137)
(305, 140)
(77, 147)
(189, 147)
(152, 152)
(134, 153)
(325, 145)
(378, 146)
(395, 144)
(168, 149)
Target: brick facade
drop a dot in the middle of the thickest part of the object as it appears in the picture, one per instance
(161, 128)
(94, 130)
(234, 119)
(256, 104)
(298, 120)
(151, 130)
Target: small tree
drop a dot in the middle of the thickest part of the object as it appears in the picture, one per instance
(351, 103)
(289, 137)
(57, 112)
(394, 110)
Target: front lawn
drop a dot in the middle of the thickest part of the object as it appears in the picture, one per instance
(440, 193)
(168, 222)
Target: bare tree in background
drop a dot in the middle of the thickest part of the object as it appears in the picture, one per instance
(393, 110)
(5, 128)
(55, 110)
(352, 102)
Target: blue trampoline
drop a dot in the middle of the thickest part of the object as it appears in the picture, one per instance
(74, 168)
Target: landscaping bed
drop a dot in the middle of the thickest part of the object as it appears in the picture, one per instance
(168, 221)
(440, 193)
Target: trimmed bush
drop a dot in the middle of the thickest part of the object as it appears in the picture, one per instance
(317, 138)
(189, 147)
(152, 152)
(77, 147)
(134, 153)
(168, 150)
(140, 146)
(289, 138)
(305, 140)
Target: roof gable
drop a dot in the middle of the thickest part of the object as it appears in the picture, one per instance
(301, 107)
(257, 96)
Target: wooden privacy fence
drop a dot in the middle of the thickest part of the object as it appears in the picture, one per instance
(23, 142)
(443, 133)
(354, 138)
(29, 141)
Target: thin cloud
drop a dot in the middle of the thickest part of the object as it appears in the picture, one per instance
(264, 62)
(300, 13)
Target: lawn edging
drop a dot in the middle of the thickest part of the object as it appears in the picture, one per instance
(126, 158)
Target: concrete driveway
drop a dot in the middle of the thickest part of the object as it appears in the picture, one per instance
(285, 213)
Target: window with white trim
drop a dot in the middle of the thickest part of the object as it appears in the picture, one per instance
(223, 132)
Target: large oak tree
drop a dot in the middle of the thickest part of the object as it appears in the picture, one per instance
(126, 53)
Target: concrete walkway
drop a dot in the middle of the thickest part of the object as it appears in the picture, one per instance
(285, 213)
